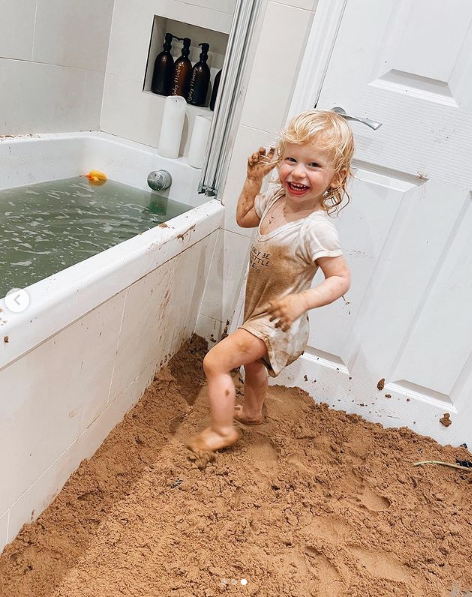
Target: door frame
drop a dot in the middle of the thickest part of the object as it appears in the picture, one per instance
(320, 42)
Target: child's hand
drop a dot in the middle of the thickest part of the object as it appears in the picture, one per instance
(260, 163)
(287, 310)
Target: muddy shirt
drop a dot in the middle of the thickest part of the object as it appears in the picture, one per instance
(282, 262)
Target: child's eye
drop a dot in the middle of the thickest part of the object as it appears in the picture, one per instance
(289, 159)
(314, 165)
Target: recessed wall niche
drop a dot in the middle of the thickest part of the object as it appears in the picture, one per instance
(217, 40)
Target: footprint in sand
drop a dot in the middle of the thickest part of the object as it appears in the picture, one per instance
(330, 581)
(373, 501)
(262, 451)
(381, 564)
(362, 497)
(358, 447)
(330, 529)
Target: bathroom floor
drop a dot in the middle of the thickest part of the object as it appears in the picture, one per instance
(314, 502)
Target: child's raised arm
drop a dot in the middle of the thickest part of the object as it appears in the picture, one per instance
(259, 165)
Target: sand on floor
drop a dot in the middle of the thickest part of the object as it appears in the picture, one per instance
(314, 502)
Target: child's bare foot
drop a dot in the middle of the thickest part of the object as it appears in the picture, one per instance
(242, 417)
(211, 441)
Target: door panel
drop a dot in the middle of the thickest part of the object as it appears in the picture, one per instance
(406, 234)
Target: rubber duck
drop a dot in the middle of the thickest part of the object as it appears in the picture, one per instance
(96, 177)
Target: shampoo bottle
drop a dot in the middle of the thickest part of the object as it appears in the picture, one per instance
(182, 72)
(163, 69)
(214, 93)
(200, 79)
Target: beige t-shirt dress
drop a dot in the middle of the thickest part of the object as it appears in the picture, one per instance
(282, 262)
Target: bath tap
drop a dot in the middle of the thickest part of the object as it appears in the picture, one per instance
(159, 180)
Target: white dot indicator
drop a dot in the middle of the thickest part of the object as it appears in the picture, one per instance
(243, 581)
(17, 300)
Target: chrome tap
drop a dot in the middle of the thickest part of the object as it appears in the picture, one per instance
(159, 180)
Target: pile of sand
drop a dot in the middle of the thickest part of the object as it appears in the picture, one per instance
(314, 502)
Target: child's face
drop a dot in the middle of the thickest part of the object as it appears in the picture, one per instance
(306, 172)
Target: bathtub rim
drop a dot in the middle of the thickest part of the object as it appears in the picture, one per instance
(179, 168)
(95, 280)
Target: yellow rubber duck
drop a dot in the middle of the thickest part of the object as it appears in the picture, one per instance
(96, 177)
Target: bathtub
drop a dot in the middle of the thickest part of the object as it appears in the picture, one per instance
(90, 341)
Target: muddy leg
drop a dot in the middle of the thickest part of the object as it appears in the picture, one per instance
(255, 390)
(239, 348)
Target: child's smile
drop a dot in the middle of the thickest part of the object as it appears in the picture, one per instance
(297, 189)
(306, 172)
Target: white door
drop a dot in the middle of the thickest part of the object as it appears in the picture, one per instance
(407, 234)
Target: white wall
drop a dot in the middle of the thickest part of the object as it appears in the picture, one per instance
(52, 63)
(280, 47)
(128, 111)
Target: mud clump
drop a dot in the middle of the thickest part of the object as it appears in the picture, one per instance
(446, 420)
(312, 502)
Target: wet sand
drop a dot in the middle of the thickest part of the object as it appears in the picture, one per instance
(313, 502)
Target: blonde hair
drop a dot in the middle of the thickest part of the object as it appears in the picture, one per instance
(330, 132)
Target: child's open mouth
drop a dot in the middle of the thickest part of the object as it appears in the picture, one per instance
(297, 189)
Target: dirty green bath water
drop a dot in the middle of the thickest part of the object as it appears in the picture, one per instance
(47, 227)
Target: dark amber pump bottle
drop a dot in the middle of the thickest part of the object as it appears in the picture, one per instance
(163, 69)
(200, 79)
(214, 92)
(182, 72)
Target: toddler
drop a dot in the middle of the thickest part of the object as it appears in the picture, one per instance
(295, 237)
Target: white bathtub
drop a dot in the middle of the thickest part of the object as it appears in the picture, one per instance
(83, 352)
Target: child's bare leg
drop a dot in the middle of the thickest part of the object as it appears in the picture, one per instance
(239, 348)
(255, 389)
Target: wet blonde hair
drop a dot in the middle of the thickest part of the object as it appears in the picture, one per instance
(331, 133)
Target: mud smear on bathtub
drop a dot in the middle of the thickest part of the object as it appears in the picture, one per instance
(314, 502)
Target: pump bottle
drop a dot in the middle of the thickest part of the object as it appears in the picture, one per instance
(214, 92)
(200, 79)
(182, 71)
(163, 69)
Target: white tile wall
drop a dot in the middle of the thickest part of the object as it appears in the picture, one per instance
(44, 98)
(129, 40)
(130, 113)
(219, 21)
(29, 506)
(146, 333)
(71, 33)
(190, 12)
(91, 102)
(210, 329)
(190, 279)
(160, 313)
(48, 418)
(54, 79)
(226, 271)
(17, 28)
(226, 6)
(305, 4)
(275, 70)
